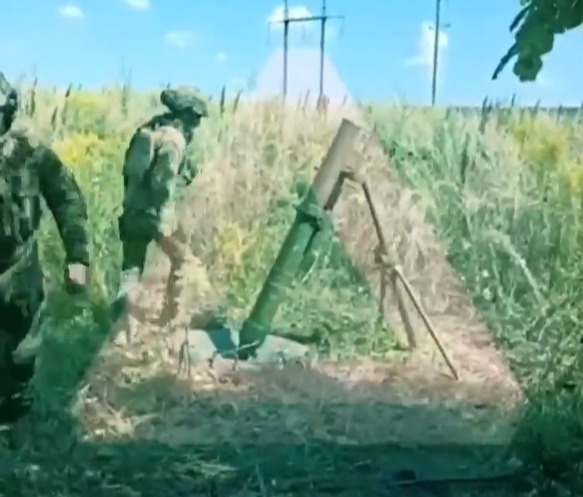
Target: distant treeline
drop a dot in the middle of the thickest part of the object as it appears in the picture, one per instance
(571, 112)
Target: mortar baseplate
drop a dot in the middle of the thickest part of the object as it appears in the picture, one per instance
(206, 345)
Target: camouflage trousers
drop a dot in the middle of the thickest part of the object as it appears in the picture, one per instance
(21, 299)
(134, 257)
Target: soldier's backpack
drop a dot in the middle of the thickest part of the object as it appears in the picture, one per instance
(140, 156)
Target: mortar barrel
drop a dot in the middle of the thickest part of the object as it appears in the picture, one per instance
(292, 251)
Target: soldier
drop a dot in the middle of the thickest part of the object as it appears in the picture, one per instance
(29, 171)
(156, 171)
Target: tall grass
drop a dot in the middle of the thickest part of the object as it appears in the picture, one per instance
(503, 190)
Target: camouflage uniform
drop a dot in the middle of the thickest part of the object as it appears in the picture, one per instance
(149, 205)
(29, 171)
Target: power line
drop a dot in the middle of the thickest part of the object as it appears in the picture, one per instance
(324, 17)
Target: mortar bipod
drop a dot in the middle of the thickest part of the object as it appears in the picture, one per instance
(391, 272)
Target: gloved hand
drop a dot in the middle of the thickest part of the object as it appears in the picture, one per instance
(76, 278)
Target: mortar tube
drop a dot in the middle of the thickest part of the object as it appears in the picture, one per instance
(323, 235)
(310, 212)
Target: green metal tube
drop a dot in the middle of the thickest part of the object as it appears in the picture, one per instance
(323, 236)
(308, 220)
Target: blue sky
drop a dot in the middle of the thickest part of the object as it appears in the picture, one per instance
(380, 52)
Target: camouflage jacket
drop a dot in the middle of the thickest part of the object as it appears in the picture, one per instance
(169, 172)
(30, 171)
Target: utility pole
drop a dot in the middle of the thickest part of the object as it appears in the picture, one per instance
(286, 21)
(437, 28)
(324, 17)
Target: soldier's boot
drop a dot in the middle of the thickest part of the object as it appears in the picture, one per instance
(124, 320)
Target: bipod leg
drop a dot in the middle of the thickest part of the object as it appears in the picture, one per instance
(425, 318)
(396, 274)
(383, 295)
(380, 257)
(388, 277)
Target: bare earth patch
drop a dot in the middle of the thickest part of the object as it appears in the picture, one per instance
(361, 416)
(355, 403)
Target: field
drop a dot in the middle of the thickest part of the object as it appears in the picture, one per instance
(483, 213)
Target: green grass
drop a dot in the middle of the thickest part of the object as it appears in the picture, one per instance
(514, 235)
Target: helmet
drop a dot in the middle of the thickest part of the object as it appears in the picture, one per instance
(184, 100)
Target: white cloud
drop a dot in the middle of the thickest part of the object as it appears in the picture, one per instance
(138, 4)
(303, 77)
(179, 39)
(71, 12)
(425, 47)
(222, 57)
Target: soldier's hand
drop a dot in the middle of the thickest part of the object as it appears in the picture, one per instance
(76, 278)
